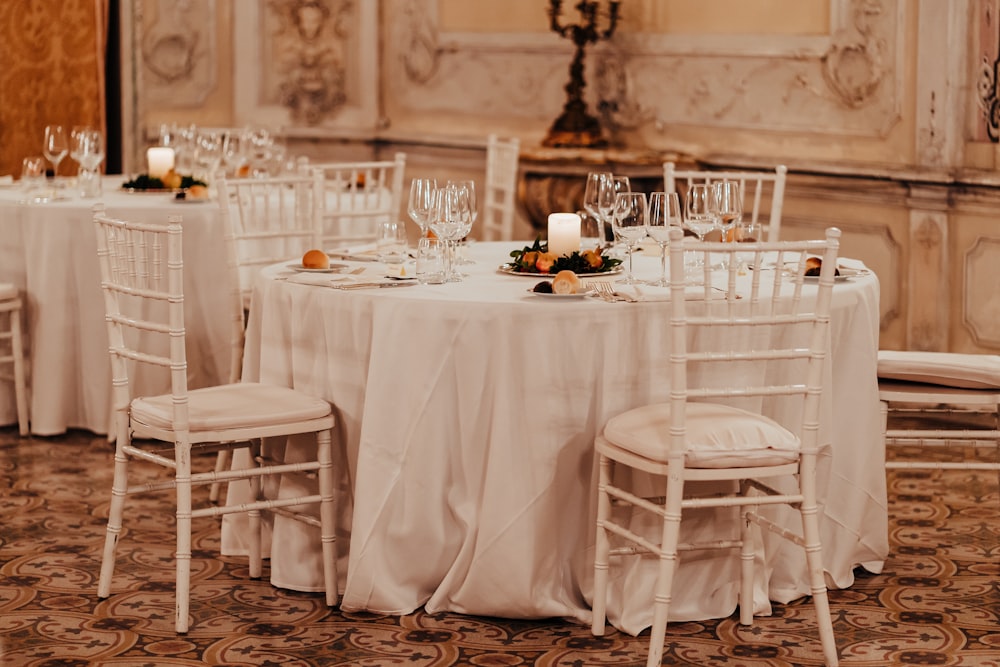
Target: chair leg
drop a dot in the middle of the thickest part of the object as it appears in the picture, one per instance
(747, 554)
(116, 512)
(668, 566)
(183, 554)
(221, 464)
(814, 563)
(602, 547)
(20, 384)
(328, 515)
(256, 554)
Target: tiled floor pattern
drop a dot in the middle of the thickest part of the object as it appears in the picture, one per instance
(936, 603)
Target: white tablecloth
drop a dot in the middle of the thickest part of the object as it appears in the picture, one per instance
(467, 415)
(49, 251)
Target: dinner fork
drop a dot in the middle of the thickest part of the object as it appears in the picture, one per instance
(608, 293)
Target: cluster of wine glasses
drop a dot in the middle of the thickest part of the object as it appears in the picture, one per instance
(632, 217)
(84, 145)
(715, 206)
(448, 211)
(247, 151)
(88, 151)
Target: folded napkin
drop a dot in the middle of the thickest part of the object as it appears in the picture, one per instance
(653, 293)
(360, 253)
(322, 279)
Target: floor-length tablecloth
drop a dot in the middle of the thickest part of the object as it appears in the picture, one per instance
(49, 251)
(467, 416)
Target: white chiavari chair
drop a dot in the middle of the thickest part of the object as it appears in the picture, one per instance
(142, 280)
(359, 195)
(12, 352)
(941, 399)
(499, 200)
(762, 212)
(766, 349)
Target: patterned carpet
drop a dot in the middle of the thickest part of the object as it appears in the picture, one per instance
(936, 603)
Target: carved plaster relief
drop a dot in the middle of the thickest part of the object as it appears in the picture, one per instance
(179, 52)
(306, 70)
(844, 83)
(981, 309)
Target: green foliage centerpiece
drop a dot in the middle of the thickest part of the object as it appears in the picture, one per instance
(537, 259)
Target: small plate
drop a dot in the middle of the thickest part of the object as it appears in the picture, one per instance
(333, 268)
(553, 295)
(506, 268)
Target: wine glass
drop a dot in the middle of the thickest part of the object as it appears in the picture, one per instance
(596, 180)
(728, 206)
(664, 215)
(470, 187)
(421, 203)
(56, 146)
(630, 225)
(88, 151)
(207, 154)
(699, 210)
(452, 220)
(606, 205)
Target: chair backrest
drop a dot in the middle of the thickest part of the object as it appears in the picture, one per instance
(755, 186)
(762, 351)
(269, 220)
(142, 277)
(359, 195)
(500, 193)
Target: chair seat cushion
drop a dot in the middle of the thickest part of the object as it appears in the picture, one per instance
(241, 405)
(967, 371)
(7, 291)
(718, 436)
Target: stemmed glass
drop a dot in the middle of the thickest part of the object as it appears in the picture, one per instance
(56, 146)
(664, 214)
(700, 215)
(470, 186)
(630, 225)
(88, 151)
(452, 220)
(728, 206)
(598, 183)
(207, 154)
(421, 205)
(607, 200)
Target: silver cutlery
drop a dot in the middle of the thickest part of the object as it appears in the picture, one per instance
(606, 292)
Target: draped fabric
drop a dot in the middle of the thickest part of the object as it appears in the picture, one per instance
(51, 72)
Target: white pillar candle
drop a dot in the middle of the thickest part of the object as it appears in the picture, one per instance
(564, 233)
(159, 160)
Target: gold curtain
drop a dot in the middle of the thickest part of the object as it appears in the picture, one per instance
(51, 73)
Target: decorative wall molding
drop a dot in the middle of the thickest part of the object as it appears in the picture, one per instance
(981, 304)
(178, 52)
(853, 65)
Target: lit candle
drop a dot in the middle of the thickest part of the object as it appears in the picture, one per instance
(159, 160)
(564, 233)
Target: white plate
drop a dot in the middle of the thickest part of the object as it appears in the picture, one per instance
(193, 200)
(553, 295)
(333, 268)
(506, 268)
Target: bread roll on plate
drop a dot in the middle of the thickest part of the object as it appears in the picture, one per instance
(315, 259)
(566, 282)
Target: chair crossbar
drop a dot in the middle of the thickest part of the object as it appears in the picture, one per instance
(935, 436)
(221, 510)
(134, 355)
(772, 527)
(746, 392)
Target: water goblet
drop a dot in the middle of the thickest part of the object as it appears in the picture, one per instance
(470, 187)
(56, 146)
(728, 201)
(609, 193)
(630, 225)
(700, 213)
(420, 206)
(596, 180)
(452, 220)
(664, 215)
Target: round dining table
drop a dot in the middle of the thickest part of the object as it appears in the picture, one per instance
(466, 418)
(48, 250)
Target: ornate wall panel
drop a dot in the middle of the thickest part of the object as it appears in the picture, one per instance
(307, 65)
(178, 51)
(846, 83)
(981, 307)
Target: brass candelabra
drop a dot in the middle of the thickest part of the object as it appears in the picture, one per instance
(575, 127)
